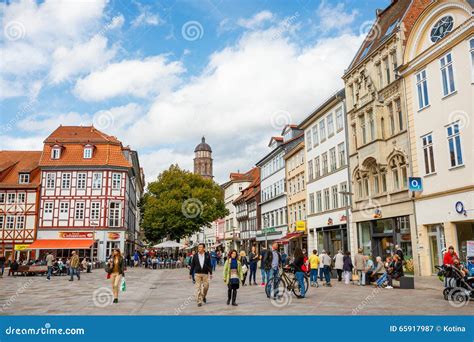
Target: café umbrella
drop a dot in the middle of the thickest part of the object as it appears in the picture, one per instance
(169, 244)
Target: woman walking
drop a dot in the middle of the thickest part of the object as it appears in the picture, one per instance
(347, 267)
(117, 272)
(245, 266)
(253, 256)
(339, 264)
(299, 272)
(233, 275)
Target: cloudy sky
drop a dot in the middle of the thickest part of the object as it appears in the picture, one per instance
(159, 75)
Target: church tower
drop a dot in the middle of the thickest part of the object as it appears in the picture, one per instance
(203, 160)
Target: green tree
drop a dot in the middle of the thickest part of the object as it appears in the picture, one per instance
(179, 203)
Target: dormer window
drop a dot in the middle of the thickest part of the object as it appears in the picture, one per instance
(88, 152)
(56, 152)
(24, 178)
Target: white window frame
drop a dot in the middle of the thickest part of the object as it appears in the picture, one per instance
(322, 130)
(48, 210)
(66, 180)
(87, 152)
(97, 181)
(50, 180)
(11, 198)
(116, 181)
(79, 210)
(339, 119)
(428, 153)
(2, 198)
(448, 84)
(2, 221)
(422, 89)
(10, 222)
(81, 181)
(330, 124)
(24, 178)
(95, 211)
(455, 136)
(20, 222)
(64, 211)
(114, 214)
(55, 153)
(21, 198)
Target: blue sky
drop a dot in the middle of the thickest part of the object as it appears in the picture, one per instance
(161, 74)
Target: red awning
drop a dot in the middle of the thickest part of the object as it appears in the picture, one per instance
(62, 244)
(290, 236)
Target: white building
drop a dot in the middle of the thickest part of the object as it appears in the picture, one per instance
(438, 74)
(273, 205)
(327, 177)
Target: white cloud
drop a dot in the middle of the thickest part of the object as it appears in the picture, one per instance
(116, 22)
(146, 17)
(157, 161)
(30, 143)
(80, 58)
(334, 18)
(235, 100)
(256, 21)
(141, 78)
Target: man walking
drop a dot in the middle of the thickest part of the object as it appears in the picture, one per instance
(202, 269)
(326, 261)
(49, 263)
(213, 260)
(75, 266)
(272, 262)
(313, 266)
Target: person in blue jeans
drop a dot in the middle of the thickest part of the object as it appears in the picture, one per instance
(272, 263)
(253, 259)
(263, 271)
(213, 259)
(299, 273)
(326, 261)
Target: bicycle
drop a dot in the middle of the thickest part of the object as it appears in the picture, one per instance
(289, 283)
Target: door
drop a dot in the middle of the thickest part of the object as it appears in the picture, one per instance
(383, 246)
(436, 239)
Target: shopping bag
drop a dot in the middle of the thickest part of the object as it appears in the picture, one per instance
(123, 285)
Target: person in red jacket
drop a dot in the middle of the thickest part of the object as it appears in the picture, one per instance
(449, 256)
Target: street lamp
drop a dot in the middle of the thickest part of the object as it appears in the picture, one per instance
(348, 195)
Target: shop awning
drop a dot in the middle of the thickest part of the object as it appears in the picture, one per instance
(288, 237)
(62, 244)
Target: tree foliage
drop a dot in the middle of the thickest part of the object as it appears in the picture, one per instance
(179, 203)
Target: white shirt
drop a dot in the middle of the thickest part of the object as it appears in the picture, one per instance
(201, 259)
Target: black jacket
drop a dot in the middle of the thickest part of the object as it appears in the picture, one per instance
(196, 266)
(347, 266)
(298, 263)
(267, 260)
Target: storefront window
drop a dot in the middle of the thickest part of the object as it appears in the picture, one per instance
(465, 232)
(320, 236)
(364, 237)
(383, 226)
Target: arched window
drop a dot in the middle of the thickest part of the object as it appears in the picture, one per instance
(399, 175)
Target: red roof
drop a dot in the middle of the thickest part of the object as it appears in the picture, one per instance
(108, 150)
(253, 189)
(12, 163)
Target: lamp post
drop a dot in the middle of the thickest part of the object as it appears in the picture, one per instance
(348, 195)
(265, 219)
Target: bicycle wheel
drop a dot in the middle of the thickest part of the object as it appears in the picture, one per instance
(273, 287)
(296, 288)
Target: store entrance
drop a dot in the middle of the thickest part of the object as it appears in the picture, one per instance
(383, 246)
(437, 243)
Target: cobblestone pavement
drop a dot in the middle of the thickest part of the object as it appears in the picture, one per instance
(170, 292)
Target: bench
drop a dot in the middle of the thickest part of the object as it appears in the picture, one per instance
(32, 270)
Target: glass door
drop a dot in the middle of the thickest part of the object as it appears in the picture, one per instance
(437, 245)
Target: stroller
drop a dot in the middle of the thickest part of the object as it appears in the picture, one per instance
(456, 287)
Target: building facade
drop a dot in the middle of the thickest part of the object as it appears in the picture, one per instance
(438, 74)
(379, 150)
(327, 177)
(88, 194)
(273, 207)
(19, 200)
(248, 211)
(296, 196)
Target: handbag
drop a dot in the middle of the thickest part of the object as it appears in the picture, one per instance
(108, 268)
(244, 269)
(123, 285)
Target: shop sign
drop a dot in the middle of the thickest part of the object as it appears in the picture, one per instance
(76, 235)
(460, 208)
(415, 184)
(300, 226)
(269, 230)
(343, 218)
(330, 222)
(21, 247)
(377, 213)
(113, 236)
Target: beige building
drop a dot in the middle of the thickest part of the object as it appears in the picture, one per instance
(382, 211)
(296, 196)
(438, 75)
